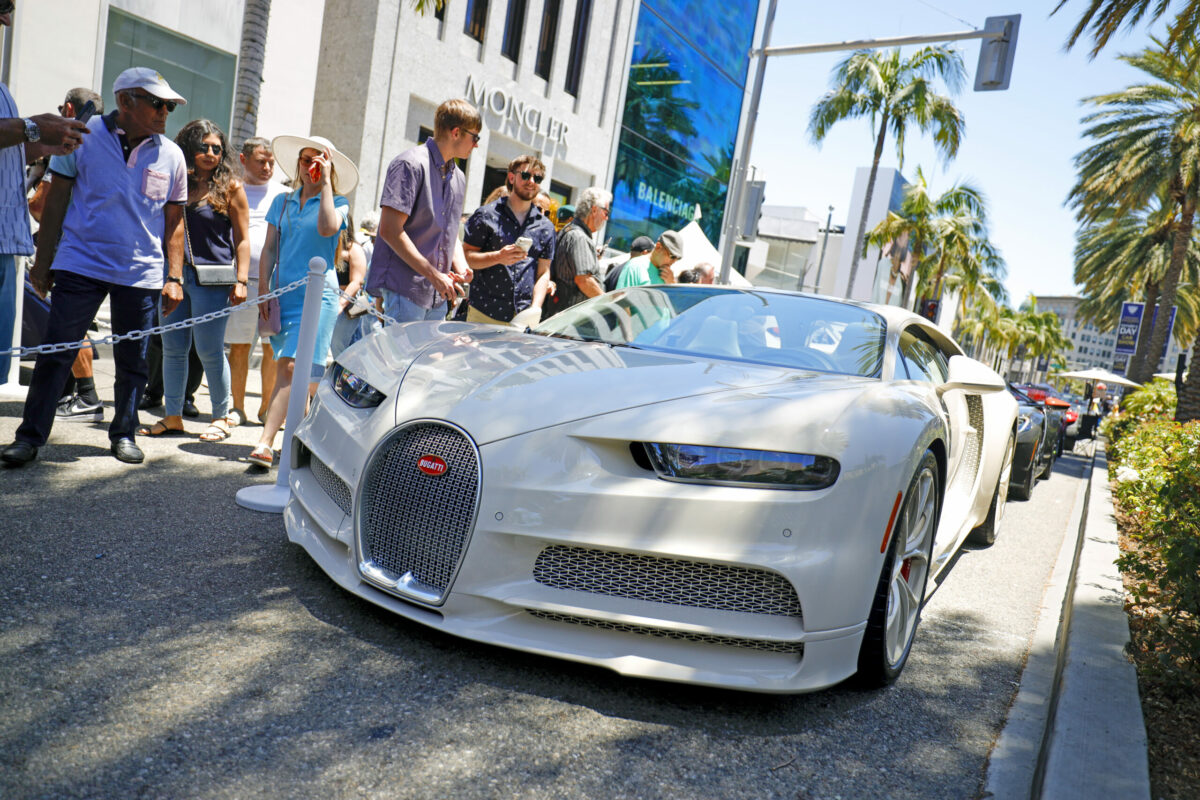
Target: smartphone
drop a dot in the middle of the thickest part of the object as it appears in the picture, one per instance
(86, 112)
(525, 243)
(314, 169)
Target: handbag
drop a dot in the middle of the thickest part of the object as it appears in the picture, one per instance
(214, 275)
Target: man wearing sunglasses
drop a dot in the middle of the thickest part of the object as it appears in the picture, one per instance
(110, 229)
(510, 279)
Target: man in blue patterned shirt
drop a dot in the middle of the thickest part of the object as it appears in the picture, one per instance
(21, 141)
(510, 279)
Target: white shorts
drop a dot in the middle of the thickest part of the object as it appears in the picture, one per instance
(242, 327)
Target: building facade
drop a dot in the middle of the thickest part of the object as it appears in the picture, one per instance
(630, 95)
(56, 46)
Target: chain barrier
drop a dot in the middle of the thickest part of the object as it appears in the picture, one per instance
(367, 305)
(174, 326)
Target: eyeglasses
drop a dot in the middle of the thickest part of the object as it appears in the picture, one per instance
(529, 176)
(7, 6)
(607, 211)
(205, 147)
(474, 136)
(157, 103)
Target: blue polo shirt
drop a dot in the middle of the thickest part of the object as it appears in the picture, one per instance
(114, 226)
(502, 291)
(299, 241)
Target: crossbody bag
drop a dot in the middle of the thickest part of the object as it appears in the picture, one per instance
(213, 275)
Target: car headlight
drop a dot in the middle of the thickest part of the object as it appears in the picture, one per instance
(353, 389)
(1024, 422)
(764, 469)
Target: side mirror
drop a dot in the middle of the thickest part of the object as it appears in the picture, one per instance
(971, 376)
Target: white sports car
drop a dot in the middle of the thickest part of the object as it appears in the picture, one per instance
(739, 488)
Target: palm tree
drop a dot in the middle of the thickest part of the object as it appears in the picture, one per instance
(893, 93)
(1146, 138)
(1106, 17)
(249, 73)
(916, 221)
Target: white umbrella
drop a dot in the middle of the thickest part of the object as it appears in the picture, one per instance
(1101, 375)
(1169, 376)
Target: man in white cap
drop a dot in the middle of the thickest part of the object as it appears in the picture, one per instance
(114, 202)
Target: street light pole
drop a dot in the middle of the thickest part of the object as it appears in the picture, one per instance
(824, 245)
(737, 175)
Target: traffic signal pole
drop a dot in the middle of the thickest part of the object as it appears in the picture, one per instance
(992, 73)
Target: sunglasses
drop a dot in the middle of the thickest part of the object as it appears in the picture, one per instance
(157, 103)
(205, 147)
(529, 176)
(474, 136)
(7, 6)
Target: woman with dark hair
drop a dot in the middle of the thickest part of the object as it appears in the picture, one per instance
(302, 224)
(216, 223)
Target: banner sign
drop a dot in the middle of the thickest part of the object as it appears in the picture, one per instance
(1127, 328)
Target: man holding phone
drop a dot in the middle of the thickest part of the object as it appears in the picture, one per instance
(509, 244)
(22, 139)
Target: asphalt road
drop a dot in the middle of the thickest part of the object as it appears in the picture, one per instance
(156, 640)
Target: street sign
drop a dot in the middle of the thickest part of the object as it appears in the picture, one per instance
(996, 53)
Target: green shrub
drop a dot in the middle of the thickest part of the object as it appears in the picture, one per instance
(1163, 506)
(1154, 401)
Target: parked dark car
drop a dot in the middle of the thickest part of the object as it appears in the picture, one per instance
(1036, 445)
(1062, 417)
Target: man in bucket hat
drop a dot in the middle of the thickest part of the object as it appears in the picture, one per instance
(111, 218)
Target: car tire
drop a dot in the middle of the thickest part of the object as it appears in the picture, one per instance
(987, 531)
(1024, 490)
(900, 592)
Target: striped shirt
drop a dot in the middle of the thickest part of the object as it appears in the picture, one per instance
(14, 210)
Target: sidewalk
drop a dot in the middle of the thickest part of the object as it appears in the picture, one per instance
(1076, 729)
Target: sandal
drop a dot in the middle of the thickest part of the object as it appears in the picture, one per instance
(218, 431)
(235, 417)
(262, 456)
(160, 429)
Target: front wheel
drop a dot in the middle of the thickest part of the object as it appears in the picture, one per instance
(896, 607)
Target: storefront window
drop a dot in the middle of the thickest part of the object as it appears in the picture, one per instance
(203, 75)
(679, 128)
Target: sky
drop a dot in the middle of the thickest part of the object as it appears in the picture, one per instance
(1018, 144)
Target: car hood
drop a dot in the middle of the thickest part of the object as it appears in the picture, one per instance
(498, 383)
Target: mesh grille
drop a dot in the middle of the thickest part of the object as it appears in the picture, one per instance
(666, 580)
(973, 446)
(765, 645)
(334, 486)
(414, 523)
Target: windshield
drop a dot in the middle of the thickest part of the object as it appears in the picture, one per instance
(765, 327)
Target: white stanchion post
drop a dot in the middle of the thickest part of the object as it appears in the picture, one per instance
(273, 498)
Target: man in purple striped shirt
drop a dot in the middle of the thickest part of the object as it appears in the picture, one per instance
(417, 271)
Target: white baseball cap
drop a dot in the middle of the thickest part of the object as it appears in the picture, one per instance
(150, 80)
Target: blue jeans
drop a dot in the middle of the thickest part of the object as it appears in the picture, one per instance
(210, 346)
(401, 309)
(8, 310)
(73, 306)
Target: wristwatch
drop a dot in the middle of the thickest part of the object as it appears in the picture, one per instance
(173, 279)
(32, 132)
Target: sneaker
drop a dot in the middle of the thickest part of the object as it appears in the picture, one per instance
(80, 410)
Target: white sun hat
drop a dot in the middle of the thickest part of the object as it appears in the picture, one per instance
(287, 151)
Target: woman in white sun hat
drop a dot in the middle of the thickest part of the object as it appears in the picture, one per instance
(300, 225)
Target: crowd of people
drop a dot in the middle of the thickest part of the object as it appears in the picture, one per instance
(170, 230)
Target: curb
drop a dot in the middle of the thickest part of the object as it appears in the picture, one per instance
(1075, 728)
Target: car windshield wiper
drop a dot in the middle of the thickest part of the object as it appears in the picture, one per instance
(579, 338)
